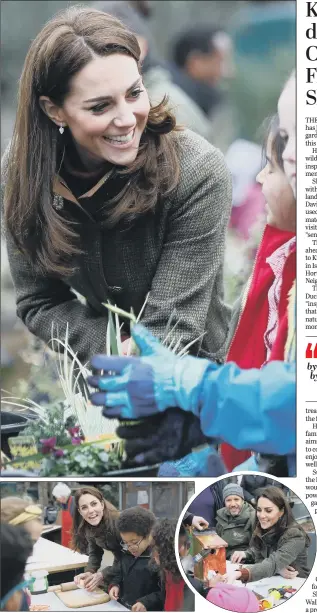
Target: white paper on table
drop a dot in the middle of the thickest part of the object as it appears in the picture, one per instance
(143, 497)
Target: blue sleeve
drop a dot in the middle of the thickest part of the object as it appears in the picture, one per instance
(252, 408)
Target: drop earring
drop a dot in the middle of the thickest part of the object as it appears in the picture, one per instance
(61, 130)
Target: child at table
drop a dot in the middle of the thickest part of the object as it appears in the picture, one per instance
(177, 595)
(228, 597)
(133, 580)
(16, 547)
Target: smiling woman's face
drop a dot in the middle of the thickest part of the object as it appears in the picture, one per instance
(91, 509)
(110, 126)
(106, 110)
(268, 513)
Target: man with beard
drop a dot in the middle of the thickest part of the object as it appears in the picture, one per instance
(235, 520)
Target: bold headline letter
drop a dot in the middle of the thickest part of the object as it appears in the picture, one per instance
(311, 11)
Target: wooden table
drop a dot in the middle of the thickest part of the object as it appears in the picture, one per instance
(54, 558)
(56, 604)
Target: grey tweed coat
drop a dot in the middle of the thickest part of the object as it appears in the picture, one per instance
(175, 253)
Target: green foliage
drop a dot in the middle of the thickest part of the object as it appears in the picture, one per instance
(89, 460)
(56, 424)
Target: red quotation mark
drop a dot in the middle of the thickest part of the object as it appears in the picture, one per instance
(309, 352)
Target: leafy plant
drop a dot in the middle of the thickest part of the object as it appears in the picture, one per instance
(58, 420)
(63, 425)
(90, 460)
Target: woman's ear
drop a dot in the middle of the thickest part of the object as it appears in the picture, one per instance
(53, 111)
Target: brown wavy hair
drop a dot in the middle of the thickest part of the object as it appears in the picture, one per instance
(65, 45)
(81, 531)
(163, 535)
(277, 496)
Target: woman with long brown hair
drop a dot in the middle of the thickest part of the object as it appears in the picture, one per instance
(106, 196)
(278, 545)
(95, 530)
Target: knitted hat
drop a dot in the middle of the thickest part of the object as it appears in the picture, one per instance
(61, 490)
(234, 598)
(232, 489)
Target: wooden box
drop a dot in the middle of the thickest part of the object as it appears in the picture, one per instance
(216, 560)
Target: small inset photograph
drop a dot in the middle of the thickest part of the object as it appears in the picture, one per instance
(92, 546)
(246, 543)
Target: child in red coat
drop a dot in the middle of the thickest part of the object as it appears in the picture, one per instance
(261, 332)
(163, 536)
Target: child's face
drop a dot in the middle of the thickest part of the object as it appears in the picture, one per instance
(287, 122)
(277, 191)
(135, 543)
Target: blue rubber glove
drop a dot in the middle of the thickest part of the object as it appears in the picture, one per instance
(149, 384)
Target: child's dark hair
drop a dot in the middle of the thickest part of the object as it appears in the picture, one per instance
(277, 142)
(163, 535)
(138, 520)
(16, 547)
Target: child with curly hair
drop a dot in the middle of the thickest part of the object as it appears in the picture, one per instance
(177, 595)
(133, 580)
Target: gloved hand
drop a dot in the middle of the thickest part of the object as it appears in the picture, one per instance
(149, 384)
(165, 436)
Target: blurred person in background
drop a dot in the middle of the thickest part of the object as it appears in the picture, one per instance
(143, 7)
(50, 513)
(19, 512)
(264, 35)
(158, 78)
(16, 548)
(24, 514)
(209, 501)
(252, 484)
(202, 57)
(63, 495)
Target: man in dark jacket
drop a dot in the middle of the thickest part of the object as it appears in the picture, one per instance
(252, 484)
(235, 520)
(134, 581)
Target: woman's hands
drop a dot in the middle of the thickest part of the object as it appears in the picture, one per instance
(89, 581)
(138, 606)
(238, 556)
(199, 523)
(114, 592)
(288, 572)
(82, 578)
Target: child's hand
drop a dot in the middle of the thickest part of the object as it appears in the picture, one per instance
(114, 592)
(138, 606)
(212, 582)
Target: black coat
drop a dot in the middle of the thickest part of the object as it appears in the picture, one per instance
(252, 484)
(137, 579)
